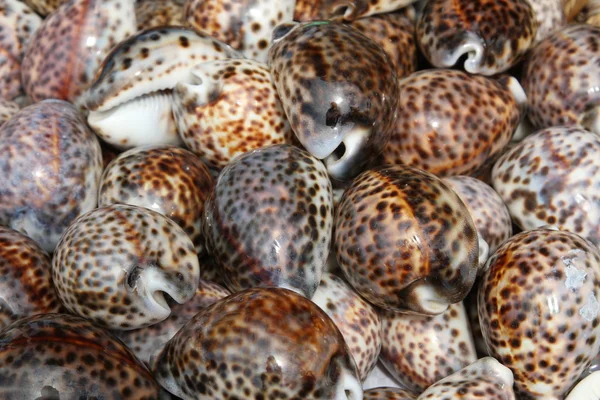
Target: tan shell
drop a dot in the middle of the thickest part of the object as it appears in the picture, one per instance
(312, 10)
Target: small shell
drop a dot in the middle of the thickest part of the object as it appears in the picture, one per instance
(158, 13)
(231, 108)
(405, 241)
(52, 165)
(114, 265)
(345, 10)
(493, 35)
(385, 393)
(562, 77)
(246, 25)
(539, 310)
(268, 220)
(259, 344)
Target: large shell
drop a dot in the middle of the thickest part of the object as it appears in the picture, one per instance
(52, 165)
(348, 10)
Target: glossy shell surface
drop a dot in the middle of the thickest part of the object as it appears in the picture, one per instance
(310, 10)
(387, 393)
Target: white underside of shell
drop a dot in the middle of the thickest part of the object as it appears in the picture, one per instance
(380, 377)
(472, 45)
(349, 387)
(152, 285)
(587, 389)
(429, 300)
(340, 167)
(484, 252)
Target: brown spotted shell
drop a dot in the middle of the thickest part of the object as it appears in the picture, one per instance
(348, 10)
(259, 343)
(7, 110)
(405, 240)
(590, 14)
(44, 7)
(539, 310)
(550, 16)
(493, 35)
(387, 393)
(63, 356)
(154, 13)
(166, 179)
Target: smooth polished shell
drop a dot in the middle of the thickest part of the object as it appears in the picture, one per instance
(346, 10)
(405, 241)
(115, 264)
(587, 389)
(491, 36)
(339, 91)
(158, 13)
(539, 310)
(61, 356)
(52, 165)
(260, 343)
(7, 110)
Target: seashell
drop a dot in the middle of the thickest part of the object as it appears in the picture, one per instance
(539, 309)
(268, 220)
(52, 165)
(451, 123)
(573, 7)
(356, 319)
(380, 377)
(114, 265)
(485, 376)
(25, 282)
(405, 240)
(44, 7)
(65, 52)
(7, 110)
(561, 78)
(158, 13)
(166, 179)
(260, 343)
(590, 14)
(232, 107)
(550, 16)
(246, 25)
(339, 91)
(130, 101)
(386, 393)
(420, 350)
(587, 389)
(550, 179)
(345, 10)
(483, 36)
(64, 356)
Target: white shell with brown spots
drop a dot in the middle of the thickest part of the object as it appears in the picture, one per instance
(550, 16)
(66, 51)
(262, 343)
(115, 264)
(551, 178)
(420, 350)
(539, 309)
(311, 10)
(491, 35)
(387, 393)
(52, 165)
(246, 25)
(155, 13)
(358, 321)
(485, 379)
(450, 122)
(562, 77)
(268, 220)
(405, 240)
(166, 179)
(232, 107)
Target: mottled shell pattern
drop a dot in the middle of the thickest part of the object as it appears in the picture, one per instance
(260, 343)
(230, 109)
(493, 35)
(550, 16)
(246, 25)
(387, 393)
(7, 110)
(52, 166)
(539, 310)
(405, 241)
(339, 91)
(155, 13)
(115, 264)
(590, 14)
(346, 10)
(269, 218)
(63, 356)
(44, 7)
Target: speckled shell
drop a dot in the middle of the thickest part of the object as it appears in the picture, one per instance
(66, 51)
(232, 108)
(386, 393)
(539, 310)
(590, 14)
(25, 282)
(486, 207)
(562, 77)
(260, 343)
(17, 23)
(114, 265)
(421, 350)
(395, 33)
(155, 13)
(64, 356)
(486, 378)
(551, 178)
(7, 110)
(357, 320)
(166, 179)
(246, 25)
(339, 91)
(405, 240)
(310, 10)
(52, 165)
(268, 221)
(149, 341)
(450, 122)
(550, 16)
(44, 7)
(494, 35)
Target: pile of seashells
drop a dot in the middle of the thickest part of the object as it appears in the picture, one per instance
(300, 199)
